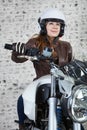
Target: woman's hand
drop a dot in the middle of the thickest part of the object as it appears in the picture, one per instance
(19, 48)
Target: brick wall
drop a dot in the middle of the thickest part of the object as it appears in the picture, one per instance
(18, 22)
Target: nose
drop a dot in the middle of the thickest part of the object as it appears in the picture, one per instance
(55, 26)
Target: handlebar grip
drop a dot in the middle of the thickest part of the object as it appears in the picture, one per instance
(8, 46)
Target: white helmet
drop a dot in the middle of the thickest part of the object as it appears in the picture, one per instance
(52, 15)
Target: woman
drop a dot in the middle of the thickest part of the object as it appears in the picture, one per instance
(52, 24)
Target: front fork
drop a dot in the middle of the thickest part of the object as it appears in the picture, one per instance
(52, 121)
(55, 114)
(76, 126)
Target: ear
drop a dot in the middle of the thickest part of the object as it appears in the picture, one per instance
(42, 26)
(61, 30)
(41, 23)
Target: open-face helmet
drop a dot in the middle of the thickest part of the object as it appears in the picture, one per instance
(52, 15)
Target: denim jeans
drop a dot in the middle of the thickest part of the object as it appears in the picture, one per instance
(20, 110)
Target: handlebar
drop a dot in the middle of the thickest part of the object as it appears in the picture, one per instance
(8, 46)
(27, 53)
(40, 56)
(82, 68)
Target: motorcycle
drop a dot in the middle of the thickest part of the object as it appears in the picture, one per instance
(57, 101)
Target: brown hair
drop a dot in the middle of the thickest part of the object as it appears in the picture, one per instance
(42, 42)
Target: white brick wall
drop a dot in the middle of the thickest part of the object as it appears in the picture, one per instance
(18, 22)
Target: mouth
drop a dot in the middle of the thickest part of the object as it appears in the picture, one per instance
(54, 31)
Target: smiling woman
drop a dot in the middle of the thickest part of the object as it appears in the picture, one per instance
(52, 23)
(52, 15)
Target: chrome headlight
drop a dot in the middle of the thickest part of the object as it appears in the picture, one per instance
(77, 104)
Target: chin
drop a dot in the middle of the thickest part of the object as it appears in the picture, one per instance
(54, 36)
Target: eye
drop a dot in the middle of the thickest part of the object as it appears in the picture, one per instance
(50, 23)
(58, 24)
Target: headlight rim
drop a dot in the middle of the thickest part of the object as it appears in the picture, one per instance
(71, 101)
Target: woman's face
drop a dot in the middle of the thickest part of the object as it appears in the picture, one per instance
(53, 29)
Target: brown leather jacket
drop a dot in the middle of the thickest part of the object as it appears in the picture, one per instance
(63, 50)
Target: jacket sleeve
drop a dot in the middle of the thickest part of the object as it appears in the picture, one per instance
(69, 53)
(16, 59)
(64, 52)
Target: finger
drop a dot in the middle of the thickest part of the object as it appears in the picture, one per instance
(22, 49)
(18, 47)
